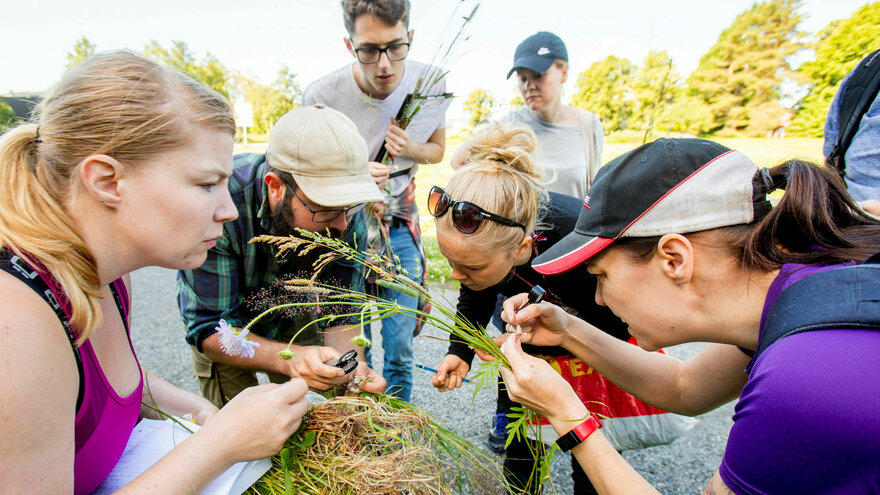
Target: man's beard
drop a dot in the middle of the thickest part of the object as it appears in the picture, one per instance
(282, 224)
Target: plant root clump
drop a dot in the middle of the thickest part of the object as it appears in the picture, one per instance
(378, 445)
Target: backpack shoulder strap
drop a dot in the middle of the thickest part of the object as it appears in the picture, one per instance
(861, 90)
(845, 297)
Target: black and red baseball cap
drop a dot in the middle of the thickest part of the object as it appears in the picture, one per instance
(667, 186)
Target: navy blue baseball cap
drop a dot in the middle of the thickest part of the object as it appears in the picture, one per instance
(538, 52)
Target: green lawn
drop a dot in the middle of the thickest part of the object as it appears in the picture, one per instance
(764, 152)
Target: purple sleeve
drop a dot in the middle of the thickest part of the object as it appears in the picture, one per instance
(807, 420)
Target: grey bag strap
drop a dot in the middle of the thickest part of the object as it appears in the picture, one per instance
(590, 145)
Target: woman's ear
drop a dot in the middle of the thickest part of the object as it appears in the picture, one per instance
(100, 175)
(675, 253)
(523, 251)
(276, 188)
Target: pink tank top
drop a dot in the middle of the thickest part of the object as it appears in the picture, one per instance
(104, 420)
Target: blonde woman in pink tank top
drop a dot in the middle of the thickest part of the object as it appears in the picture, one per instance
(125, 166)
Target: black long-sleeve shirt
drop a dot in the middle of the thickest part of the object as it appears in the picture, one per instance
(574, 290)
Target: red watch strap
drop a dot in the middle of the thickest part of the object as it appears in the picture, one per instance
(578, 434)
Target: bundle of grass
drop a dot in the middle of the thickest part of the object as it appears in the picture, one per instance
(377, 444)
(339, 302)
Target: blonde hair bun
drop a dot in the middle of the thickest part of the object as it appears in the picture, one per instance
(502, 144)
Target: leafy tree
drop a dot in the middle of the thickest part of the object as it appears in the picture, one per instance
(839, 47)
(687, 114)
(284, 96)
(7, 116)
(606, 88)
(269, 102)
(744, 70)
(82, 50)
(517, 102)
(209, 71)
(479, 105)
(655, 88)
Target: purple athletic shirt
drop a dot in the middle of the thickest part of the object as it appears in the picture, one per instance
(104, 420)
(808, 419)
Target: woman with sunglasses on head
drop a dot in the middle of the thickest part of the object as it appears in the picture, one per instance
(125, 166)
(687, 248)
(488, 228)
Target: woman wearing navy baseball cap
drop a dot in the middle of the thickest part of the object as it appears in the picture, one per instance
(687, 248)
(569, 139)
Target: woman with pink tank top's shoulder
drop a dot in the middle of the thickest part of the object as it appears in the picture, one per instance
(125, 166)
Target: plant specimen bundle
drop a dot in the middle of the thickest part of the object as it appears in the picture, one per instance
(377, 444)
(361, 308)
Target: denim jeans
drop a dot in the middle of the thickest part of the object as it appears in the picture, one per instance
(397, 331)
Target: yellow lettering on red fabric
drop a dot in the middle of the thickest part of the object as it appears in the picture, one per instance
(576, 366)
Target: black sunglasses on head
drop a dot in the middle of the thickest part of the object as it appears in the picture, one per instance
(466, 216)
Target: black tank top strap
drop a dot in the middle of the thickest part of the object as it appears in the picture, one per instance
(120, 296)
(22, 270)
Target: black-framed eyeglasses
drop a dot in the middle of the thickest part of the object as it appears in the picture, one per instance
(466, 216)
(371, 54)
(330, 214)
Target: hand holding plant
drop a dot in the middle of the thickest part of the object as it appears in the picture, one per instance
(535, 384)
(539, 324)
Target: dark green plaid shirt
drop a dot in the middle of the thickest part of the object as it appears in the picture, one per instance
(236, 273)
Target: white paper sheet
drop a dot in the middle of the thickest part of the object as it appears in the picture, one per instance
(152, 439)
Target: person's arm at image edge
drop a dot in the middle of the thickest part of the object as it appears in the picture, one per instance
(39, 392)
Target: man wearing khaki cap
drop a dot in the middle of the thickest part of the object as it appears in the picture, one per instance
(313, 176)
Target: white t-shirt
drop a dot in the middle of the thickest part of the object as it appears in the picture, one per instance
(563, 150)
(338, 90)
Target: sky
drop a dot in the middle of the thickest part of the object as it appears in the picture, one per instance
(258, 37)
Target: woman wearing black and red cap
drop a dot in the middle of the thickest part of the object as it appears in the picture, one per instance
(687, 248)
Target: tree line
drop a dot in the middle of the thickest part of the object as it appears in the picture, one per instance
(269, 102)
(736, 89)
(738, 84)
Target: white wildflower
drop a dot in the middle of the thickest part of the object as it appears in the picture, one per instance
(235, 343)
(356, 383)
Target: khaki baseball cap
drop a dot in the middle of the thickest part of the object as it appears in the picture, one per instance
(326, 155)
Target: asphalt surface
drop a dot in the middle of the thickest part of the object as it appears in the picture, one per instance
(682, 467)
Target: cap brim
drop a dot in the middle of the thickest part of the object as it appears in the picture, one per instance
(340, 191)
(537, 63)
(570, 252)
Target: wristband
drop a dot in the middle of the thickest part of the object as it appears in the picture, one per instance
(578, 434)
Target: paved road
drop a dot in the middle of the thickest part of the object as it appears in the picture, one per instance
(683, 467)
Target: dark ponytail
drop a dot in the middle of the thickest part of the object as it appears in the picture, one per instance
(816, 221)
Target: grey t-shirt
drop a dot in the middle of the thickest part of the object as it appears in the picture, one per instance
(863, 155)
(338, 90)
(564, 150)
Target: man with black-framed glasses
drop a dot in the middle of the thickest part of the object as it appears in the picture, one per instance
(313, 176)
(371, 91)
